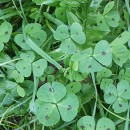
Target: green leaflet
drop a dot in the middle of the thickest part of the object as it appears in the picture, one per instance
(89, 65)
(86, 122)
(5, 33)
(47, 113)
(121, 39)
(102, 53)
(108, 7)
(52, 92)
(68, 107)
(39, 67)
(105, 124)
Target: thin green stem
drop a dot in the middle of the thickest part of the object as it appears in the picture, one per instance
(10, 61)
(96, 94)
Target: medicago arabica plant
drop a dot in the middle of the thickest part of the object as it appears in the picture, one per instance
(64, 65)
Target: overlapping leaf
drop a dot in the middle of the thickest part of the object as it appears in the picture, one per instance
(68, 39)
(5, 33)
(86, 123)
(118, 96)
(102, 53)
(53, 102)
(105, 124)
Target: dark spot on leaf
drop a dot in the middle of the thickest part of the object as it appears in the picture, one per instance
(71, 86)
(23, 67)
(118, 59)
(100, 21)
(38, 39)
(90, 66)
(103, 53)
(68, 46)
(108, 129)
(6, 32)
(113, 19)
(61, 32)
(46, 117)
(110, 93)
(69, 107)
(82, 127)
(38, 66)
(77, 33)
(89, 125)
(125, 90)
(61, 13)
(120, 105)
(23, 41)
(51, 89)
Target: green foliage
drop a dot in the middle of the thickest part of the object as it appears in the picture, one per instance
(64, 65)
(53, 102)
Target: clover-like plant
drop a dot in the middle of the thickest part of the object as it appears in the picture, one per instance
(53, 103)
(34, 30)
(118, 96)
(89, 62)
(70, 36)
(109, 17)
(25, 65)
